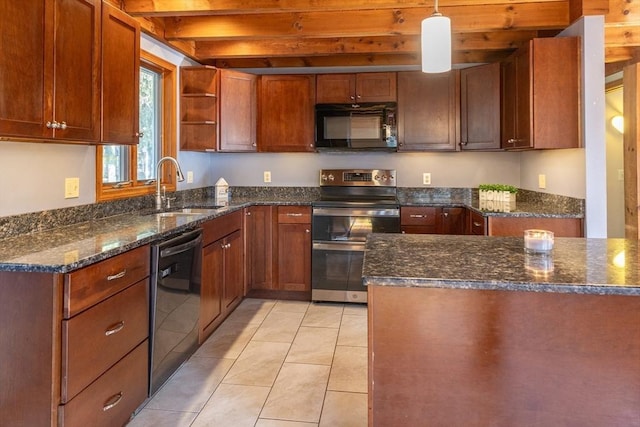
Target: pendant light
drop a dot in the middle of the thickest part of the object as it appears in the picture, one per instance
(436, 43)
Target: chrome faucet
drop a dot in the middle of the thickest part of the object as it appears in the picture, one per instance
(159, 196)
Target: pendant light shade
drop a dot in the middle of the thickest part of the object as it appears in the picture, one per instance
(436, 43)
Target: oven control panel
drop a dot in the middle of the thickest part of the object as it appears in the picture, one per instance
(358, 177)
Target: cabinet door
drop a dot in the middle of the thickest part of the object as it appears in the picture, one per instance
(77, 69)
(259, 241)
(211, 288)
(376, 87)
(335, 88)
(427, 111)
(238, 111)
(26, 68)
(286, 108)
(120, 76)
(516, 98)
(233, 270)
(294, 257)
(480, 107)
(453, 221)
(419, 220)
(477, 224)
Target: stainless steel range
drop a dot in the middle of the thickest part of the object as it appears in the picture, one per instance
(353, 203)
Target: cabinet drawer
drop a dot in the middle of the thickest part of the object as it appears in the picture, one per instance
(220, 227)
(424, 216)
(97, 338)
(90, 285)
(294, 215)
(113, 397)
(477, 224)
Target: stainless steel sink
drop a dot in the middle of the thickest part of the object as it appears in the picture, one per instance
(184, 212)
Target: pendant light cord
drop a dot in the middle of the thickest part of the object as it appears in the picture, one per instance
(435, 9)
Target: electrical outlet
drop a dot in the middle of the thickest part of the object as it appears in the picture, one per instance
(426, 178)
(267, 176)
(71, 188)
(542, 181)
(189, 177)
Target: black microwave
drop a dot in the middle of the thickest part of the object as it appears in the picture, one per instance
(365, 126)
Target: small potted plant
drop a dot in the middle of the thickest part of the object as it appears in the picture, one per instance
(497, 197)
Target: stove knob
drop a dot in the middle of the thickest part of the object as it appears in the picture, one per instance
(323, 177)
(384, 177)
(331, 178)
(376, 178)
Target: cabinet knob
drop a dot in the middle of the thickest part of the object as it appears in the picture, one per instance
(248, 213)
(359, 96)
(112, 401)
(254, 144)
(51, 125)
(307, 231)
(463, 143)
(139, 134)
(62, 125)
(114, 328)
(352, 97)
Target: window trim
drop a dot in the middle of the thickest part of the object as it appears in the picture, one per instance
(168, 134)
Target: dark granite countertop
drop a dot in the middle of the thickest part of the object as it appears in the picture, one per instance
(576, 265)
(68, 248)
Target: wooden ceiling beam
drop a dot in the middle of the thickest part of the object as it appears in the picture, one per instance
(621, 35)
(226, 7)
(499, 40)
(481, 18)
(579, 8)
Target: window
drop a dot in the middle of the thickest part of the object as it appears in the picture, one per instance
(130, 170)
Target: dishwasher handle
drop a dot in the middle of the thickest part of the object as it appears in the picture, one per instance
(178, 249)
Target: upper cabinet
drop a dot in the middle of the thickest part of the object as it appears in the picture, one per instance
(49, 63)
(218, 109)
(350, 88)
(286, 112)
(541, 95)
(120, 77)
(480, 107)
(428, 111)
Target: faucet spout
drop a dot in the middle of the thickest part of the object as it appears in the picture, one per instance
(158, 167)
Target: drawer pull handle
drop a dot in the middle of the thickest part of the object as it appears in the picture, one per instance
(114, 328)
(117, 276)
(416, 216)
(112, 401)
(476, 224)
(293, 214)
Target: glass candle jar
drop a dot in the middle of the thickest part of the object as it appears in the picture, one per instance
(538, 241)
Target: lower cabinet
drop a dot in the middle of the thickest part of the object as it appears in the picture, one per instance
(278, 242)
(433, 220)
(222, 286)
(294, 248)
(515, 226)
(477, 224)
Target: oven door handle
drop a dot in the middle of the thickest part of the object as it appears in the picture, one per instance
(339, 246)
(356, 212)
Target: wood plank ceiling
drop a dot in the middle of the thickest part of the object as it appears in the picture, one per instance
(323, 33)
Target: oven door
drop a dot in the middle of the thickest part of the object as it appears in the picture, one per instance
(335, 224)
(337, 272)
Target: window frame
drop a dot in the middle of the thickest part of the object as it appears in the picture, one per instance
(168, 146)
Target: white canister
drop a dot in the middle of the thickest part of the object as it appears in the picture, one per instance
(222, 192)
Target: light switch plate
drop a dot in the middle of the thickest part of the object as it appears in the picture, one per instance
(542, 181)
(189, 177)
(71, 188)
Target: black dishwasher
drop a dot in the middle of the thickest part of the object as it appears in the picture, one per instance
(175, 304)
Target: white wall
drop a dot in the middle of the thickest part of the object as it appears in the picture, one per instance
(615, 163)
(301, 169)
(564, 171)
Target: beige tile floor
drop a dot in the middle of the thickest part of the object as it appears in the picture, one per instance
(272, 364)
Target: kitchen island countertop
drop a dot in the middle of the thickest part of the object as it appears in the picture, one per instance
(576, 265)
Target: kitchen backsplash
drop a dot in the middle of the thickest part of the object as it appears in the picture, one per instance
(11, 226)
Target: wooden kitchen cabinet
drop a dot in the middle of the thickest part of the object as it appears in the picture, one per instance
(480, 107)
(83, 343)
(432, 220)
(428, 111)
(294, 248)
(286, 107)
(477, 224)
(259, 228)
(515, 226)
(218, 110)
(541, 95)
(351, 88)
(222, 285)
(50, 67)
(120, 77)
